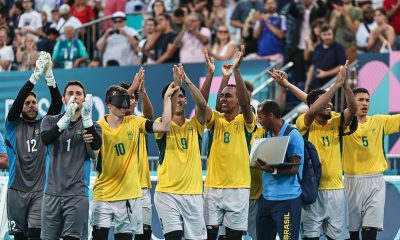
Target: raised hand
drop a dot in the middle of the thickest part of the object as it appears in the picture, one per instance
(279, 77)
(209, 61)
(176, 76)
(87, 111)
(342, 76)
(138, 78)
(49, 77)
(70, 110)
(239, 58)
(41, 64)
(171, 89)
(227, 70)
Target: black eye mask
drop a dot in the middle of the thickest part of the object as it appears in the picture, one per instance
(120, 101)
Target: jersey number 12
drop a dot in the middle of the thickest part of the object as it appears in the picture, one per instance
(31, 145)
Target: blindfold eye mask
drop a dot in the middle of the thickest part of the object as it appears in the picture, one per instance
(120, 101)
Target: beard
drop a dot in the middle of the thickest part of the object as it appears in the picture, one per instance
(326, 116)
(25, 116)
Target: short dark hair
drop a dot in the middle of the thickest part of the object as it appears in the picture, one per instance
(166, 16)
(52, 31)
(269, 106)
(314, 95)
(166, 87)
(360, 90)
(114, 90)
(179, 12)
(326, 27)
(77, 83)
(112, 63)
(127, 86)
(32, 93)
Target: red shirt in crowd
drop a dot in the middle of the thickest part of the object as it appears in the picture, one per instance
(85, 14)
(395, 20)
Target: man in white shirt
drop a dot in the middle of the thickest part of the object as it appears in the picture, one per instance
(30, 21)
(193, 39)
(365, 28)
(69, 20)
(6, 52)
(119, 43)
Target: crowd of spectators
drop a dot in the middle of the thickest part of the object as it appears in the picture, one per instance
(302, 31)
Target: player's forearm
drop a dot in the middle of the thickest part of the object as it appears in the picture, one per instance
(198, 98)
(205, 89)
(224, 83)
(96, 142)
(56, 102)
(48, 137)
(302, 96)
(147, 107)
(241, 90)
(16, 108)
(351, 109)
(166, 116)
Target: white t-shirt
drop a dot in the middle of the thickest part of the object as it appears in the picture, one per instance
(363, 34)
(6, 53)
(119, 48)
(192, 48)
(72, 21)
(140, 54)
(32, 20)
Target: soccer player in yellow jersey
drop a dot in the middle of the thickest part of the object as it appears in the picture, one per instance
(328, 215)
(137, 87)
(227, 185)
(117, 190)
(179, 191)
(364, 163)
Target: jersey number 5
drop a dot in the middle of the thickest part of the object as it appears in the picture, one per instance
(364, 141)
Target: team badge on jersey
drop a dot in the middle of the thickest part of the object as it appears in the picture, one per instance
(37, 132)
(130, 135)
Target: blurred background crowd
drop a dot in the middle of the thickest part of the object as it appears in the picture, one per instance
(317, 35)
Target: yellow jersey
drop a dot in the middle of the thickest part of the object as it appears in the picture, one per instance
(179, 170)
(228, 152)
(326, 141)
(256, 174)
(363, 151)
(117, 166)
(143, 164)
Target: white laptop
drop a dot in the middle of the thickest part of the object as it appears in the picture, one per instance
(270, 150)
